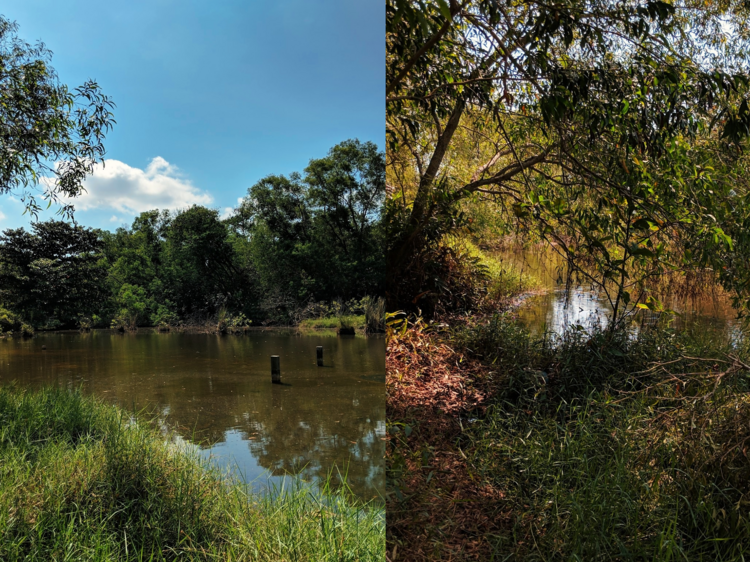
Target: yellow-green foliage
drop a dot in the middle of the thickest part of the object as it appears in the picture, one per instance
(10, 322)
(503, 279)
(331, 323)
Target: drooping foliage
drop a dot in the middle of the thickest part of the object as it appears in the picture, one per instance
(615, 131)
(52, 137)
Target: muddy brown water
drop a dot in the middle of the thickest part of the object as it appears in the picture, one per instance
(560, 307)
(215, 392)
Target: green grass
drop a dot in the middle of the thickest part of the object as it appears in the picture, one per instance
(503, 279)
(614, 447)
(332, 323)
(80, 480)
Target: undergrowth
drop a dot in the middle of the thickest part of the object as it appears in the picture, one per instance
(589, 446)
(80, 480)
(356, 322)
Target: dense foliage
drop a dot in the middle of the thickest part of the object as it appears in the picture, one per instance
(319, 234)
(53, 274)
(614, 131)
(590, 446)
(311, 237)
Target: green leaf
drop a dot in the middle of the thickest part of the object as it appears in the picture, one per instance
(444, 9)
(638, 251)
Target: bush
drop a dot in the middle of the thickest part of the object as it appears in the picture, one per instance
(615, 444)
(164, 318)
(10, 322)
(374, 309)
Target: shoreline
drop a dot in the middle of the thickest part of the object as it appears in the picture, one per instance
(82, 476)
(296, 330)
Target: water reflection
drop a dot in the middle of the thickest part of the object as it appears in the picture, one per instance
(561, 307)
(216, 392)
(557, 311)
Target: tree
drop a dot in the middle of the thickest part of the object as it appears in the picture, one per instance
(346, 194)
(277, 221)
(200, 269)
(319, 235)
(50, 136)
(593, 125)
(53, 274)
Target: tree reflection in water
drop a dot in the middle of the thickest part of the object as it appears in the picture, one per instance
(216, 392)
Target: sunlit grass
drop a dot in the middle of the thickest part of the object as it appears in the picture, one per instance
(358, 322)
(80, 480)
(504, 280)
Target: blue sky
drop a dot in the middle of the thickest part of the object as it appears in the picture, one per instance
(211, 96)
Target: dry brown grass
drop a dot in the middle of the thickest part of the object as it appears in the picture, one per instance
(438, 508)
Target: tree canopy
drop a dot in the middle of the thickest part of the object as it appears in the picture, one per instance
(52, 275)
(292, 240)
(319, 235)
(51, 136)
(613, 130)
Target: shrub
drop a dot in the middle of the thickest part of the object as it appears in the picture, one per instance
(374, 309)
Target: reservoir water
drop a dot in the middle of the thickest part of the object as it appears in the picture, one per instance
(215, 392)
(559, 306)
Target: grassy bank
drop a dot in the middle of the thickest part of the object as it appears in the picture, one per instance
(500, 279)
(80, 480)
(358, 322)
(363, 316)
(589, 447)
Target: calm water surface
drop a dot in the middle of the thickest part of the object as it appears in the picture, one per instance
(216, 393)
(560, 307)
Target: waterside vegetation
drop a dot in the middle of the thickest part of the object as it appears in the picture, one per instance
(292, 243)
(592, 445)
(82, 480)
(614, 134)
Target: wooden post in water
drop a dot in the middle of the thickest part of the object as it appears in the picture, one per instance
(319, 351)
(275, 369)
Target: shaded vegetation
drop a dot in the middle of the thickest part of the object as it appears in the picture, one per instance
(613, 134)
(600, 446)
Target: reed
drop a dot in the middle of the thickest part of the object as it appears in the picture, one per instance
(588, 446)
(374, 308)
(81, 480)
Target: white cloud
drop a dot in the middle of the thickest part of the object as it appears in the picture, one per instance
(116, 185)
(2, 216)
(114, 218)
(229, 211)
